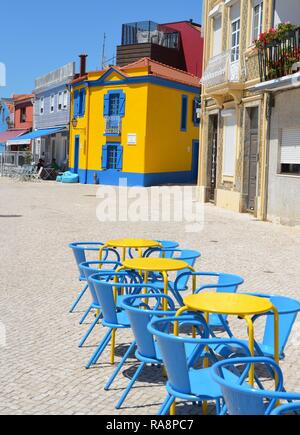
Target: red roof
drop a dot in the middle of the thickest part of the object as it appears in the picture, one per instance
(11, 134)
(165, 71)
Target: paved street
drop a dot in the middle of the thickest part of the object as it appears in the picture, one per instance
(42, 369)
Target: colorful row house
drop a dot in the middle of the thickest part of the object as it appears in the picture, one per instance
(137, 122)
(250, 130)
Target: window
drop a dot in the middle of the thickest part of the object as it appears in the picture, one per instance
(65, 103)
(23, 114)
(257, 19)
(184, 109)
(235, 40)
(290, 151)
(235, 17)
(52, 98)
(42, 105)
(112, 156)
(81, 102)
(196, 111)
(60, 101)
(217, 29)
(229, 147)
(114, 103)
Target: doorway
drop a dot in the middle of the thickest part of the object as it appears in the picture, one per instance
(212, 156)
(195, 161)
(252, 158)
(76, 154)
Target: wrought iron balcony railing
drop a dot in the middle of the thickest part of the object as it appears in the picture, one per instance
(280, 57)
(224, 68)
(113, 125)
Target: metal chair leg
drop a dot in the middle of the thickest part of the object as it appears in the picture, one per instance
(86, 314)
(98, 352)
(117, 370)
(79, 297)
(86, 336)
(130, 385)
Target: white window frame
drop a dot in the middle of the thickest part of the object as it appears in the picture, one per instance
(65, 100)
(52, 103)
(214, 34)
(259, 6)
(60, 101)
(236, 36)
(42, 106)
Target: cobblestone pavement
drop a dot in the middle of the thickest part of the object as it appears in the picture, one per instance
(41, 367)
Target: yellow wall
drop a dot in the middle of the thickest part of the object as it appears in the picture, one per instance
(168, 149)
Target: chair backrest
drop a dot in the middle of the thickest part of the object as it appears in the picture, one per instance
(190, 258)
(80, 250)
(173, 347)
(288, 309)
(89, 268)
(140, 314)
(104, 286)
(287, 409)
(243, 399)
(165, 252)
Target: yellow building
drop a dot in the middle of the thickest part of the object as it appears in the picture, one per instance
(139, 122)
(233, 170)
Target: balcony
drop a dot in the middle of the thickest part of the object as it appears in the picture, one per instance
(225, 74)
(113, 125)
(279, 57)
(149, 39)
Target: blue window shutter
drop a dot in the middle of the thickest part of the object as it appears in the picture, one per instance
(82, 108)
(119, 158)
(196, 120)
(76, 104)
(106, 105)
(104, 157)
(184, 109)
(122, 104)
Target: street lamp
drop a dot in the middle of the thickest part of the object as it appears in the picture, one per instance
(74, 122)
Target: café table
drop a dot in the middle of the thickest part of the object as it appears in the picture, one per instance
(124, 244)
(158, 265)
(241, 305)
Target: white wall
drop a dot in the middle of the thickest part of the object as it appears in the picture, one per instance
(284, 190)
(287, 10)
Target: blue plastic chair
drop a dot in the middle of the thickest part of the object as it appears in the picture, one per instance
(182, 278)
(113, 317)
(226, 283)
(285, 409)
(184, 381)
(80, 250)
(287, 309)
(139, 314)
(243, 399)
(165, 251)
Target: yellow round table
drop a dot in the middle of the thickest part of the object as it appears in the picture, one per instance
(160, 265)
(124, 244)
(244, 306)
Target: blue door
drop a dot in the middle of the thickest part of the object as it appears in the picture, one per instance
(76, 154)
(195, 161)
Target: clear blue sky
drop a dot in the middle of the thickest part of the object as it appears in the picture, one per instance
(38, 36)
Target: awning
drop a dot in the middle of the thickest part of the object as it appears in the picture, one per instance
(40, 133)
(11, 134)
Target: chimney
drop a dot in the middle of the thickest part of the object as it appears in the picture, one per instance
(83, 64)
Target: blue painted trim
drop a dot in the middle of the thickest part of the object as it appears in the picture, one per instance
(112, 134)
(146, 79)
(112, 177)
(184, 112)
(196, 121)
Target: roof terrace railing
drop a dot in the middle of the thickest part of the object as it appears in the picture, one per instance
(145, 32)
